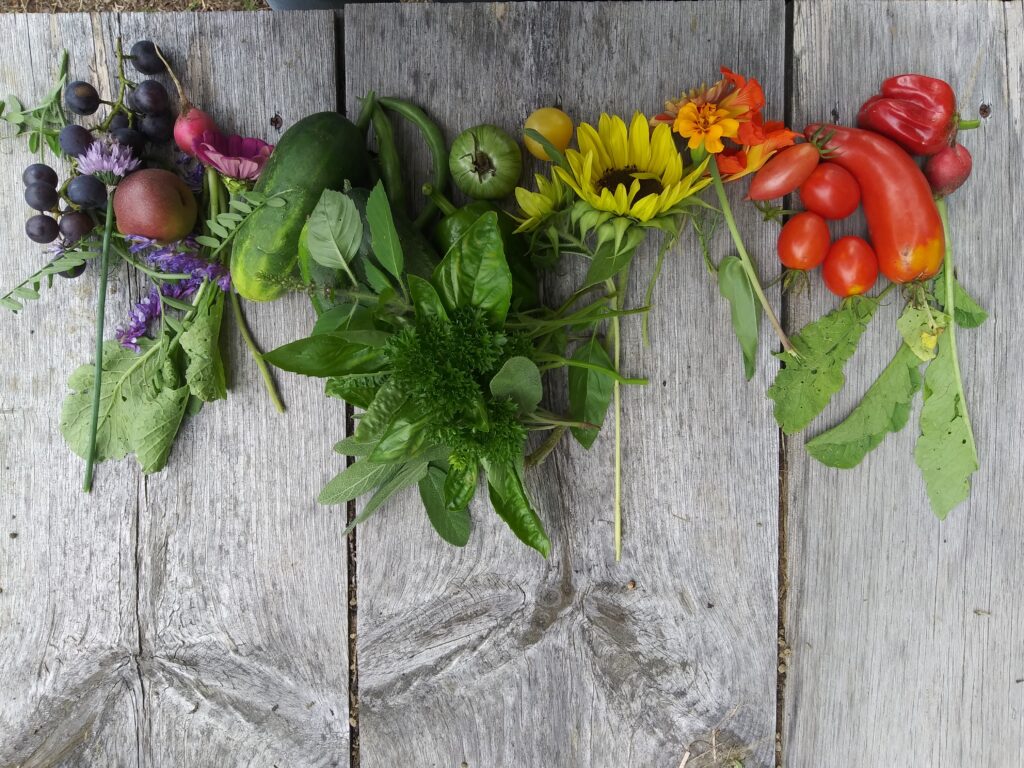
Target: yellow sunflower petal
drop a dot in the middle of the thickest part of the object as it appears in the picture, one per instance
(613, 132)
(590, 143)
(640, 143)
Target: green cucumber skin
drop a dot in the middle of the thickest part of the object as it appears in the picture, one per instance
(321, 151)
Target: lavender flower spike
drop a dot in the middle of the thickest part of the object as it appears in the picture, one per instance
(109, 161)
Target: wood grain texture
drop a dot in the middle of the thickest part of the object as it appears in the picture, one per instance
(490, 656)
(197, 617)
(907, 634)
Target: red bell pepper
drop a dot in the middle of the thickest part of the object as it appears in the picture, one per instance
(916, 111)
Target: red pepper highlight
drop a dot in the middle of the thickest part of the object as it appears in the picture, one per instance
(916, 111)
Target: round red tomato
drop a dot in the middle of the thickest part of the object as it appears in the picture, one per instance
(785, 172)
(851, 267)
(830, 191)
(803, 241)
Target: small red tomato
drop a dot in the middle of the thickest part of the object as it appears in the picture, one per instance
(785, 172)
(851, 267)
(803, 241)
(830, 191)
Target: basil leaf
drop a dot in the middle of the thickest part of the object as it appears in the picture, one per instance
(734, 285)
(328, 354)
(884, 408)
(451, 525)
(474, 273)
(334, 230)
(381, 412)
(383, 235)
(425, 300)
(519, 380)
(590, 391)
(460, 487)
(805, 384)
(404, 438)
(509, 499)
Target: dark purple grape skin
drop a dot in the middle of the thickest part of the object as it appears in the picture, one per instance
(145, 60)
(41, 229)
(75, 140)
(72, 272)
(81, 98)
(159, 129)
(74, 225)
(120, 120)
(39, 173)
(41, 196)
(150, 97)
(130, 138)
(87, 191)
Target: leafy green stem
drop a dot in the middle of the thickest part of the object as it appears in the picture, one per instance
(748, 265)
(666, 245)
(257, 355)
(101, 306)
(949, 285)
(557, 361)
(616, 340)
(543, 450)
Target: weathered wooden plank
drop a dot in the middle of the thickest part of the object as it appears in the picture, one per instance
(906, 631)
(233, 639)
(490, 656)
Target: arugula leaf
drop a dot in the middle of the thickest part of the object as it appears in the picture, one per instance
(519, 380)
(805, 384)
(334, 231)
(383, 235)
(885, 408)
(734, 285)
(509, 499)
(425, 301)
(920, 328)
(967, 311)
(474, 273)
(451, 525)
(355, 480)
(136, 415)
(945, 450)
(590, 391)
(330, 354)
(204, 373)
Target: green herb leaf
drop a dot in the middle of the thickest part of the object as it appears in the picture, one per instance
(334, 230)
(590, 391)
(509, 499)
(355, 480)
(967, 311)
(734, 285)
(376, 278)
(885, 408)
(425, 300)
(402, 477)
(805, 384)
(204, 373)
(519, 380)
(154, 425)
(920, 328)
(381, 412)
(358, 389)
(474, 273)
(404, 438)
(352, 446)
(945, 450)
(328, 354)
(383, 235)
(451, 525)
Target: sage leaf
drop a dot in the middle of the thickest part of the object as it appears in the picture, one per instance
(383, 236)
(519, 380)
(334, 230)
(735, 286)
(804, 386)
(590, 391)
(355, 480)
(474, 272)
(945, 450)
(453, 526)
(884, 408)
(400, 477)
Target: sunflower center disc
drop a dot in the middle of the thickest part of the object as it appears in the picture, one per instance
(624, 177)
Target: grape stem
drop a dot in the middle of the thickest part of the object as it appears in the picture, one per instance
(97, 382)
(118, 106)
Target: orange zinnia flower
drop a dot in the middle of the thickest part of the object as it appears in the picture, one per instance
(735, 163)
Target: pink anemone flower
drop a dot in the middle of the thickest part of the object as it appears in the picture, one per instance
(236, 157)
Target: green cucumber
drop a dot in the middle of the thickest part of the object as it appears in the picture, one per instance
(319, 152)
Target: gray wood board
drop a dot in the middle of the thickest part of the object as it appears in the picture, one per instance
(490, 655)
(198, 615)
(907, 635)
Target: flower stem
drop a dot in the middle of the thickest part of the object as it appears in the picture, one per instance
(254, 350)
(748, 266)
(97, 381)
(616, 304)
(950, 306)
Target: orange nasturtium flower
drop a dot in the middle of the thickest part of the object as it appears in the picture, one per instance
(736, 162)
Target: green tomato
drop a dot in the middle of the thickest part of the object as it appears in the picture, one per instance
(485, 162)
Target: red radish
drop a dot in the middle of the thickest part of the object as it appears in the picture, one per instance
(948, 169)
(192, 122)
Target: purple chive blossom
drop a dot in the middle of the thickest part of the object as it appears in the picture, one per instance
(181, 256)
(109, 160)
(145, 313)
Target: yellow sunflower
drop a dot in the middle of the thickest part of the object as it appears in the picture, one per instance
(538, 206)
(635, 172)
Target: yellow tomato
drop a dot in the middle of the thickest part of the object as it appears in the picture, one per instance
(554, 125)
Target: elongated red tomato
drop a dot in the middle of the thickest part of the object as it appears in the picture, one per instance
(902, 219)
(850, 268)
(784, 172)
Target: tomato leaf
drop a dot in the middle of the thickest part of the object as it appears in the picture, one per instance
(734, 285)
(334, 231)
(805, 384)
(920, 328)
(945, 450)
(884, 408)
(474, 272)
(509, 499)
(383, 236)
(590, 391)
(967, 311)
(451, 525)
(519, 380)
